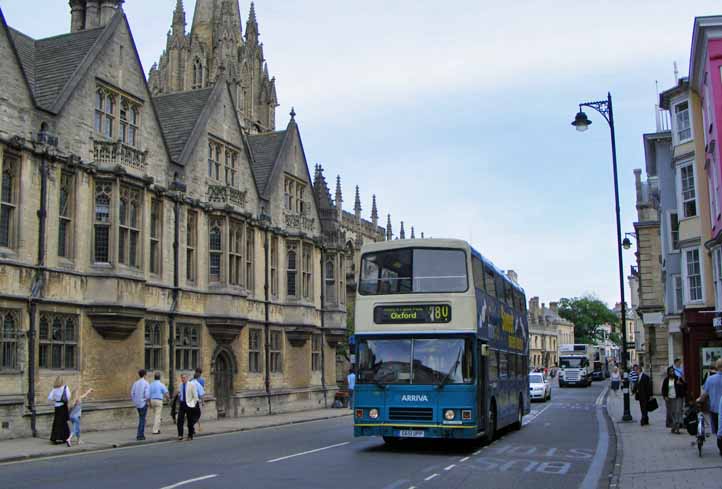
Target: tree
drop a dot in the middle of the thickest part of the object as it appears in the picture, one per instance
(588, 315)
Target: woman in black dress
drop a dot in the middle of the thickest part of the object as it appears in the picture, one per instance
(60, 397)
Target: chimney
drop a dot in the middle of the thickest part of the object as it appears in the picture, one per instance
(512, 276)
(107, 10)
(92, 14)
(534, 307)
(554, 306)
(638, 184)
(77, 15)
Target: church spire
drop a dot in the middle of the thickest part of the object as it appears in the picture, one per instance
(374, 212)
(252, 26)
(339, 198)
(402, 233)
(179, 19)
(389, 233)
(357, 205)
(413, 236)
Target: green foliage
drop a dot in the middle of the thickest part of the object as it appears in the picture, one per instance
(588, 315)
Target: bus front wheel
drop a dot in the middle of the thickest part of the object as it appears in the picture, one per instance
(519, 416)
(491, 424)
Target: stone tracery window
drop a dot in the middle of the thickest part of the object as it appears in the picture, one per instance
(58, 334)
(156, 233)
(235, 254)
(187, 347)
(307, 271)
(117, 116)
(129, 227)
(101, 243)
(330, 279)
(250, 253)
(9, 329)
(8, 201)
(153, 345)
(66, 212)
(215, 250)
(291, 269)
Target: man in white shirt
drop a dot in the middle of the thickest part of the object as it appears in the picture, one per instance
(199, 383)
(351, 379)
(140, 394)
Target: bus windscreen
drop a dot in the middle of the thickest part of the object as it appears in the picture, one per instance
(413, 270)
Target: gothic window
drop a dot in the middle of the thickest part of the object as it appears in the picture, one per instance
(274, 266)
(129, 120)
(316, 352)
(254, 350)
(58, 334)
(293, 195)
(65, 214)
(291, 269)
(191, 247)
(299, 199)
(250, 250)
(101, 243)
(215, 250)
(246, 102)
(330, 282)
(276, 351)
(8, 201)
(197, 74)
(153, 346)
(129, 227)
(307, 271)
(9, 329)
(230, 167)
(342, 281)
(187, 347)
(210, 160)
(104, 112)
(235, 254)
(156, 232)
(288, 193)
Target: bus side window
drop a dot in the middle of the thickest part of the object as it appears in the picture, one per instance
(478, 272)
(493, 366)
(489, 282)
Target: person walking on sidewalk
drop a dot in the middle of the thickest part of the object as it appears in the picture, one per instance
(634, 377)
(643, 392)
(200, 384)
(674, 391)
(188, 402)
(158, 393)
(712, 390)
(140, 394)
(351, 379)
(60, 397)
(75, 412)
(615, 380)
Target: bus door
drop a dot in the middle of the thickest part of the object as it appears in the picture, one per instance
(482, 381)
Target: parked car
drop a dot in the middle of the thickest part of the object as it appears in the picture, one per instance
(539, 387)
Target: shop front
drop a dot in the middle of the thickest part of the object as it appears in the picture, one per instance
(702, 346)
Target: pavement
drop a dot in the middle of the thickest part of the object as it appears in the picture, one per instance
(564, 442)
(650, 457)
(29, 448)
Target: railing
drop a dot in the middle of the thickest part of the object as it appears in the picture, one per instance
(224, 194)
(299, 221)
(118, 153)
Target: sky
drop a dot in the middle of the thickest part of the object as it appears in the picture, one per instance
(457, 114)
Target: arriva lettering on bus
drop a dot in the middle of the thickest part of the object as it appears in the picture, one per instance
(414, 398)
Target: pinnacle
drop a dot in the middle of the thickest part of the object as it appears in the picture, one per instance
(374, 210)
(357, 201)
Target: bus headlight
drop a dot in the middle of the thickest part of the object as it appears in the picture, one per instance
(373, 413)
(449, 414)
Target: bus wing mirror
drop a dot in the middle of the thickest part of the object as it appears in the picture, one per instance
(484, 350)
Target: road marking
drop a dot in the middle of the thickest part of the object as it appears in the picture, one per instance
(535, 416)
(450, 467)
(600, 455)
(464, 459)
(476, 452)
(600, 397)
(308, 452)
(189, 481)
(431, 477)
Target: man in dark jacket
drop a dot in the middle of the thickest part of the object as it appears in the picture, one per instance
(643, 392)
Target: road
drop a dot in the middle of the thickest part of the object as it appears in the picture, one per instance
(564, 443)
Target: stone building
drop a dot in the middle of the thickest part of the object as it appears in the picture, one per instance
(547, 330)
(161, 230)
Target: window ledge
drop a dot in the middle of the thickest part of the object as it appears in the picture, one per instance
(10, 371)
(66, 263)
(8, 253)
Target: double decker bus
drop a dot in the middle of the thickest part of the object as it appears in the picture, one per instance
(441, 343)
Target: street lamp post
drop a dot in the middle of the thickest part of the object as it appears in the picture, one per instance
(581, 123)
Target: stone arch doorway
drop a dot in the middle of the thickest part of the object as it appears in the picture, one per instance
(224, 367)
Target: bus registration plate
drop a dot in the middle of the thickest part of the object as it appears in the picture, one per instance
(411, 433)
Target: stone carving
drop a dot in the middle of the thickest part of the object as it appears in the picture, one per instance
(117, 153)
(224, 194)
(299, 221)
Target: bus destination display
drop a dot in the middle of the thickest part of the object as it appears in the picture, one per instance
(417, 313)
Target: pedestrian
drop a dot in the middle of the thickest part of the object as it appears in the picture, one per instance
(75, 413)
(712, 390)
(158, 393)
(678, 369)
(187, 402)
(615, 380)
(60, 397)
(351, 379)
(140, 394)
(674, 391)
(643, 392)
(633, 377)
(200, 384)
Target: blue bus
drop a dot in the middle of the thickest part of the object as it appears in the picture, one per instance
(441, 343)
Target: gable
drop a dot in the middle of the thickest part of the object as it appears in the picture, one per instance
(265, 149)
(16, 104)
(179, 114)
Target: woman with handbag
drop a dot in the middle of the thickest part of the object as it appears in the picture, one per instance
(60, 397)
(674, 391)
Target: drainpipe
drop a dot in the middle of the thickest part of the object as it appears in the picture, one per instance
(323, 336)
(36, 293)
(174, 303)
(267, 305)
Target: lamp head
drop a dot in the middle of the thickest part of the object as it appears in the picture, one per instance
(626, 244)
(581, 121)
